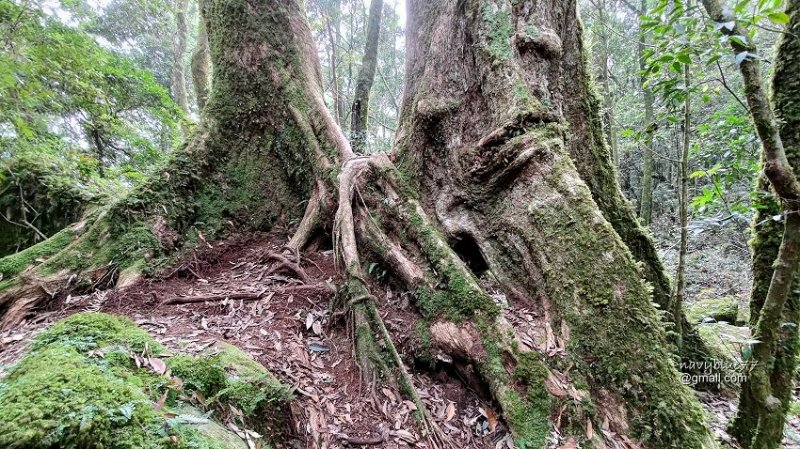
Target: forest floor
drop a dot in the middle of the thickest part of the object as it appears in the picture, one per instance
(290, 330)
(286, 324)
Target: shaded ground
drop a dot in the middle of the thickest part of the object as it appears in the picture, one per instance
(285, 323)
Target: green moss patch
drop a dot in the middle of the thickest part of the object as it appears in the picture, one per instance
(529, 418)
(228, 375)
(725, 308)
(85, 383)
(15, 263)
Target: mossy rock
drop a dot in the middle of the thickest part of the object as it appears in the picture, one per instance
(725, 308)
(79, 387)
(225, 374)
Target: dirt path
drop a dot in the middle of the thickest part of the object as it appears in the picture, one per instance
(288, 329)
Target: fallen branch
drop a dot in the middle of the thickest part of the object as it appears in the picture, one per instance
(365, 441)
(243, 296)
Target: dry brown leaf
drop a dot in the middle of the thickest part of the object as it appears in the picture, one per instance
(450, 412)
(158, 365)
(388, 393)
(491, 417)
(569, 444)
(404, 435)
(589, 429)
(158, 405)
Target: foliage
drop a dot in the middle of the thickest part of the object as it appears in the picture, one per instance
(78, 123)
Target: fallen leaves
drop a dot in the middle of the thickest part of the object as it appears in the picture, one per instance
(157, 365)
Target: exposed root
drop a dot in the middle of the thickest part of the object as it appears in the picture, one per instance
(311, 218)
(362, 303)
(430, 428)
(284, 263)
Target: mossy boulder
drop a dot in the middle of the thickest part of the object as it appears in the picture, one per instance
(228, 375)
(88, 382)
(724, 308)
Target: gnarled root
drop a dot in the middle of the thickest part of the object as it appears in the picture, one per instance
(465, 324)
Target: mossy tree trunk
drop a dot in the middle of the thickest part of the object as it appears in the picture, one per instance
(501, 178)
(753, 418)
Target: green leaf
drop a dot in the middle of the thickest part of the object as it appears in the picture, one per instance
(780, 18)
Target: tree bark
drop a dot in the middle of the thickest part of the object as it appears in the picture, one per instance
(500, 163)
(648, 161)
(756, 425)
(605, 75)
(683, 214)
(359, 111)
(201, 60)
(179, 53)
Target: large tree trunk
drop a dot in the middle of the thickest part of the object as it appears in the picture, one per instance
(359, 112)
(752, 417)
(500, 179)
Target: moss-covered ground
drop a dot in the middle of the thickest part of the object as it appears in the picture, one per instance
(87, 382)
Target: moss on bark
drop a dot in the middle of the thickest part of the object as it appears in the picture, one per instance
(752, 418)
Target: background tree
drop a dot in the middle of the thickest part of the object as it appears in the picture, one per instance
(201, 61)
(77, 123)
(178, 85)
(359, 111)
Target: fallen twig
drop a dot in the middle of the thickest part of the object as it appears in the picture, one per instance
(243, 296)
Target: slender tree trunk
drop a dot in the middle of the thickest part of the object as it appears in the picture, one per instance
(683, 214)
(179, 53)
(500, 166)
(648, 161)
(359, 112)
(337, 100)
(605, 75)
(201, 60)
(759, 423)
(688, 344)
